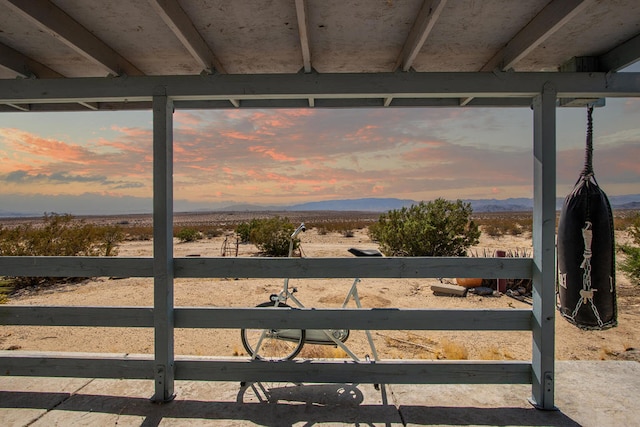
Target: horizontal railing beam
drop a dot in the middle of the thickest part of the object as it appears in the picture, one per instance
(366, 267)
(76, 365)
(346, 371)
(75, 266)
(321, 268)
(307, 318)
(357, 319)
(108, 365)
(29, 315)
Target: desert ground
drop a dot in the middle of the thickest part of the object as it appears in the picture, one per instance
(621, 342)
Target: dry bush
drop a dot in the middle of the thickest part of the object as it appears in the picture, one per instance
(341, 226)
(498, 225)
(138, 232)
(311, 351)
(452, 351)
(494, 353)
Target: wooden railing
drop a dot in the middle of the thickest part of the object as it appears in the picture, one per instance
(70, 364)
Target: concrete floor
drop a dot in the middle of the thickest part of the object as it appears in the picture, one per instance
(587, 393)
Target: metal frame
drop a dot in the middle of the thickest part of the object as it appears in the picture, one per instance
(407, 89)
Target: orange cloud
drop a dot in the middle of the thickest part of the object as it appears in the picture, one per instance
(34, 145)
(270, 152)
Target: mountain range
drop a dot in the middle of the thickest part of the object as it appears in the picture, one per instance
(385, 204)
(109, 205)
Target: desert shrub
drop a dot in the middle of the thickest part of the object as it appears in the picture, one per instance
(631, 263)
(271, 235)
(498, 226)
(138, 233)
(243, 230)
(374, 230)
(59, 235)
(437, 228)
(188, 234)
(210, 233)
(348, 233)
(493, 230)
(109, 237)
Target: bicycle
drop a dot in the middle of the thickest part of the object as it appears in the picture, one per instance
(286, 344)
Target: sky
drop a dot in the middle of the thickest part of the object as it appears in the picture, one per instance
(101, 162)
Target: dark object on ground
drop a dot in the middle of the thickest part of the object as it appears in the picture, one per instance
(365, 252)
(482, 290)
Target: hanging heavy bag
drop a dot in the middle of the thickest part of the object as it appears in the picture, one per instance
(586, 252)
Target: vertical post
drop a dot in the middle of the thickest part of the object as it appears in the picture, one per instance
(163, 246)
(544, 224)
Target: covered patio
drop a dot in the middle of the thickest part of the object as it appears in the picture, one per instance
(167, 55)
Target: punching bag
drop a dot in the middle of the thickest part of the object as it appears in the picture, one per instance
(586, 253)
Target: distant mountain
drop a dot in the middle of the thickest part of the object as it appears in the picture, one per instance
(505, 205)
(105, 205)
(250, 208)
(363, 205)
(631, 201)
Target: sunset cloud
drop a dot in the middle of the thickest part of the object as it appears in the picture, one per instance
(293, 156)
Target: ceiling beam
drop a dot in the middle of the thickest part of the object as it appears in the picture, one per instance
(549, 20)
(53, 20)
(342, 86)
(427, 17)
(182, 26)
(19, 107)
(23, 66)
(621, 56)
(303, 30)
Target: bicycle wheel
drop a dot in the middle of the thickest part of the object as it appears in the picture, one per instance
(277, 344)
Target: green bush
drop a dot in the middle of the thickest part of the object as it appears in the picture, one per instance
(631, 263)
(271, 235)
(243, 231)
(59, 235)
(437, 228)
(188, 234)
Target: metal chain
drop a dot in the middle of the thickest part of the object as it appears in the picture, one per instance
(586, 293)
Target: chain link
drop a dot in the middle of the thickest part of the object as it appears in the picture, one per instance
(586, 293)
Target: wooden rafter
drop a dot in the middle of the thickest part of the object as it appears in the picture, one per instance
(182, 26)
(55, 21)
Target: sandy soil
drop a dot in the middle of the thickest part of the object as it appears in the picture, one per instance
(572, 343)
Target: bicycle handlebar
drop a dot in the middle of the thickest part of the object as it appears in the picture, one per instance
(300, 228)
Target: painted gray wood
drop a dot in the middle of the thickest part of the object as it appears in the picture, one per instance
(371, 267)
(322, 268)
(358, 319)
(76, 266)
(79, 365)
(133, 317)
(544, 220)
(163, 246)
(347, 371)
(337, 86)
(239, 318)
(108, 365)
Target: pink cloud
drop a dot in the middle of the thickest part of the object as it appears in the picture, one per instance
(270, 152)
(34, 145)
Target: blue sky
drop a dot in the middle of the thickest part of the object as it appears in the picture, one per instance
(100, 162)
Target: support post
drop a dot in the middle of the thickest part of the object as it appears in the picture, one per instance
(544, 225)
(163, 247)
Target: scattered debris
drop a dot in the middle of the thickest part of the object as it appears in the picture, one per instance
(520, 294)
(484, 291)
(445, 289)
(426, 347)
